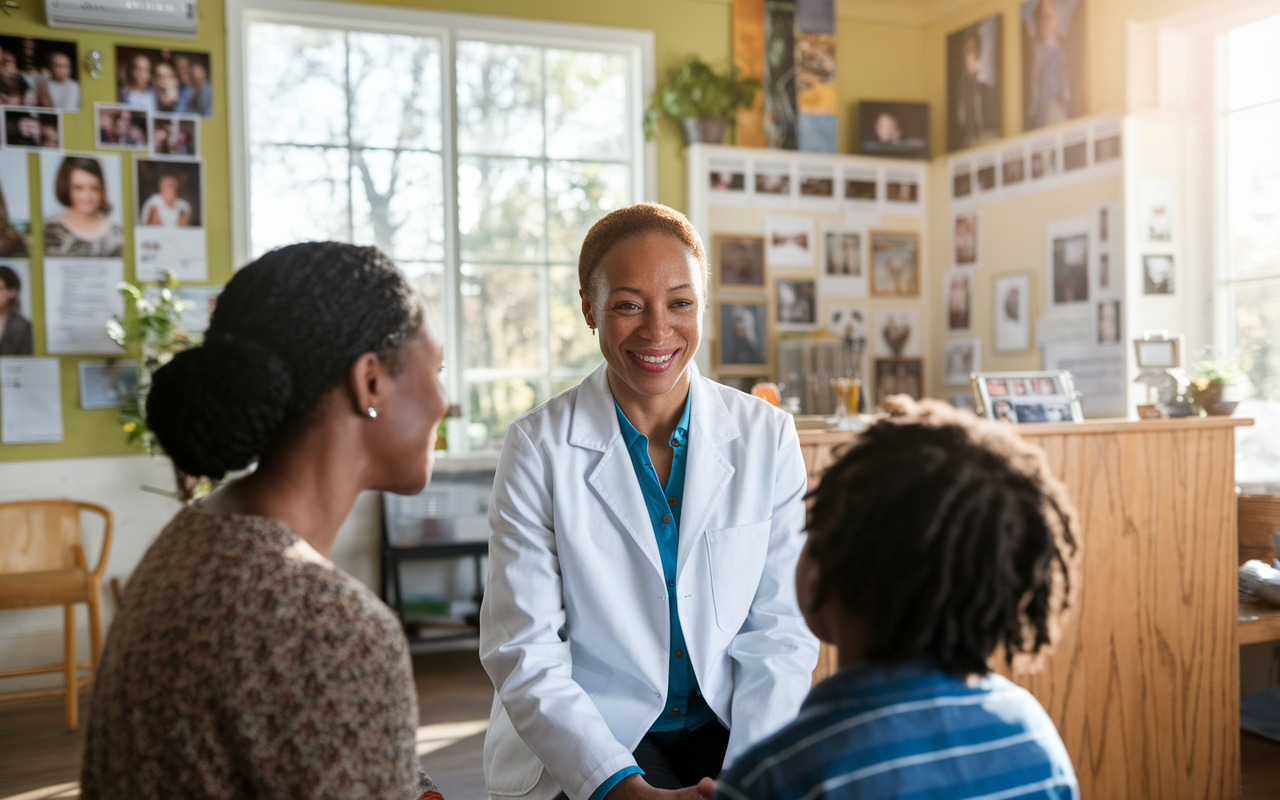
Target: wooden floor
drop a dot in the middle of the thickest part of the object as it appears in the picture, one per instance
(40, 759)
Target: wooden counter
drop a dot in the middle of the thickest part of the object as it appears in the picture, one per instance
(1144, 684)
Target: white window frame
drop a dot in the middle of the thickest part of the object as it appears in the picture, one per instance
(449, 28)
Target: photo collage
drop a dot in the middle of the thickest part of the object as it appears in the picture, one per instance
(94, 236)
(816, 246)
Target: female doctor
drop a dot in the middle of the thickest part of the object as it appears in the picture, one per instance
(640, 623)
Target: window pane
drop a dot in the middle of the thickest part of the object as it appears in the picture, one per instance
(503, 325)
(428, 279)
(395, 91)
(572, 345)
(587, 105)
(500, 209)
(296, 86)
(564, 384)
(499, 99)
(399, 203)
(579, 195)
(496, 404)
(1253, 62)
(1253, 190)
(297, 194)
(1258, 341)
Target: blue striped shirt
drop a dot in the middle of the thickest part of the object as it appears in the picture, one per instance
(909, 731)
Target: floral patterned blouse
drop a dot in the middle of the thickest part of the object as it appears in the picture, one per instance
(60, 240)
(244, 664)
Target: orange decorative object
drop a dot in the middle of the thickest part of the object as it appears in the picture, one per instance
(768, 392)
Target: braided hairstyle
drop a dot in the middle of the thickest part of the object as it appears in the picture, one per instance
(285, 332)
(948, 536)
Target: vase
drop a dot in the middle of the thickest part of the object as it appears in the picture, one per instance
(707, 131)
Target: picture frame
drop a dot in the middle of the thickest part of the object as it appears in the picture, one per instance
(895, 263)
(975, 83)
(843, 260)
(795, 303)
(738, 262)
(898, 376)
(893, 129)
(1030, 397)
(1012, 312)
(742, 344)
(1158, 353)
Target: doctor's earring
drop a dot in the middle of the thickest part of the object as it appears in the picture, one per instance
(372, 414)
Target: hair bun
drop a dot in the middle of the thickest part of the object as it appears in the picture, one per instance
(215, 408)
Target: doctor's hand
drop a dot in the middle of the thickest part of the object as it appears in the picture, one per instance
(634, 787)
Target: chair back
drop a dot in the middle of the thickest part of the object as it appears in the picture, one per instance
(39, 535)
(1258, 516)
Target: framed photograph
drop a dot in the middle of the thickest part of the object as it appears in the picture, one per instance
(959, 300)
(727, 176)
(962, 180)
(15, 205)
(738, 261)
(848, 324)
(1157, 274)
(1067, 259)
(817, 183)
(1158, 353)
(107, 384)
(1013, 167)
(899, 376)
(168, 233)
(175, 135)
(986, 172)
(975, 84)
(45, 73)
(773, 180)
(964, 240)
(38, 129)
(842, 260)
(1022, 398)
(894, 129)
(860, 185)
(897, 333)
(118, 127)
(788, 242)
(1044, 159)
(1075, 150)
(902, 189)
(796, 303)
(1110, 322)
(963, 357)
(895, 264)
(1012, 313)
(164, 80)
(1053, 61)
(743, 336)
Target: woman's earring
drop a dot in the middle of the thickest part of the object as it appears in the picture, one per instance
(372, 414)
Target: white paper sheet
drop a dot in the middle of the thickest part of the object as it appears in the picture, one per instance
(1097, 372)
(30, 400)
(80, 296)
(182, 251)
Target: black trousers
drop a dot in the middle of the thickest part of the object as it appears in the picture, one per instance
(684, 762)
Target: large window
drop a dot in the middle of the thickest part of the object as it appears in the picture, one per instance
(476, 152)
(1251, 278)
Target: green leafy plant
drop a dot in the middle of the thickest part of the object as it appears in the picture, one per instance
(1210, 378)
(695, 89)
(155, 333)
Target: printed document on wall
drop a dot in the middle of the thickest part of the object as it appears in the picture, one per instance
(81, 295)
(30, 401)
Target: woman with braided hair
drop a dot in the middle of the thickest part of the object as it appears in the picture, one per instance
(242, 663)
(935, 542)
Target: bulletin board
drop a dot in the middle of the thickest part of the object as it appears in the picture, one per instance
(144, 148)
(811, 245)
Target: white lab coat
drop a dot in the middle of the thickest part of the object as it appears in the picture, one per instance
(575, 628)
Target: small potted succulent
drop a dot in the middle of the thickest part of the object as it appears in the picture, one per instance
(1210, 381)
(703, 98)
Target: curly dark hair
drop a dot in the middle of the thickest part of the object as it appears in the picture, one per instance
(285, 331)
(948, 536)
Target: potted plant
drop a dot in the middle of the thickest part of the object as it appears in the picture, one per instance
(704, 99)
(1209, 381)
(155, 332)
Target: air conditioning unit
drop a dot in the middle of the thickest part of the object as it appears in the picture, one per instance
(154, 17)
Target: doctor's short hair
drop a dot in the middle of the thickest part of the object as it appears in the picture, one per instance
(949, 537)
(627, 223)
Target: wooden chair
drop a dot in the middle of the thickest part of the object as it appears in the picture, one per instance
(1258, 516)
(42, 563)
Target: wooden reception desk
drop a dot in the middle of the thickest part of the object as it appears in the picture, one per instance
(1144, 685)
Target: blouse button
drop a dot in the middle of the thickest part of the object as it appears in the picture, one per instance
(666, 520)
